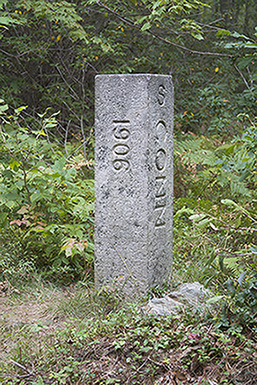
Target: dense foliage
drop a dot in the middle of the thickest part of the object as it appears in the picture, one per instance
(50, 52)
(46, 202)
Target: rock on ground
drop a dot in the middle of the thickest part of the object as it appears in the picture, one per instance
(187, 295)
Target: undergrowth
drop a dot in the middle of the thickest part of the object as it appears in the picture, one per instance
(80, 336)
(67, 333)
(215, 220)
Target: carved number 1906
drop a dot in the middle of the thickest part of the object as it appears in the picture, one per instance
(121, 147)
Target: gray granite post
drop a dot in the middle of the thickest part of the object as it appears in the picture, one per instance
(133, 181)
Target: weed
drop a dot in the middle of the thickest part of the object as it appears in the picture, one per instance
(56, 336)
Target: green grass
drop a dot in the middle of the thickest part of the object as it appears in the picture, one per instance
(51, 335)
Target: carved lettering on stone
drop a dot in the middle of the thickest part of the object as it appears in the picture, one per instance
(133, 181)
(121, 148)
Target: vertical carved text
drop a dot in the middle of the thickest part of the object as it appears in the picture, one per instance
(121, 149)
(160, 164)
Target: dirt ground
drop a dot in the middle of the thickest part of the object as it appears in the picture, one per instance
(44, 309)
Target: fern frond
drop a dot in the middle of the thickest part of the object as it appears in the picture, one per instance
(195, 150)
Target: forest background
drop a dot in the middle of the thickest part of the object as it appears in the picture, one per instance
(50, 52)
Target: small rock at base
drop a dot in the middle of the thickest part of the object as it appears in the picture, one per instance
(187, 295)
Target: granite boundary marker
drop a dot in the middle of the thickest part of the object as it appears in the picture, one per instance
(133, 181)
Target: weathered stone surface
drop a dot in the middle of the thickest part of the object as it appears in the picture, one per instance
(191, 295)
(133, 181)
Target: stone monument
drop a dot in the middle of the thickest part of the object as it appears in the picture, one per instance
(133, 181)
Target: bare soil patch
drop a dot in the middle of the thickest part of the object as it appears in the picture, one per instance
(51, 336)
